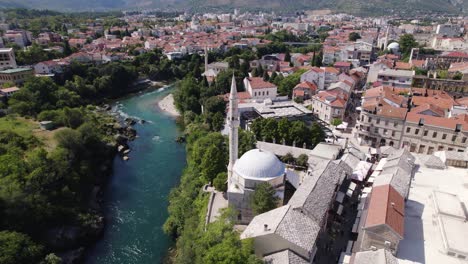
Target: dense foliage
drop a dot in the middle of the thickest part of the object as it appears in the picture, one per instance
(263, 199)
(41, 189)
(290, 131)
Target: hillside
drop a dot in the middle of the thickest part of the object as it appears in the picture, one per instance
(366, 7)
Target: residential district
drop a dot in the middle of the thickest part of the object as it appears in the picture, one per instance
(389, 185)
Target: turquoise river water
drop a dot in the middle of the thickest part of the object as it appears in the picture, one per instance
(136, 195)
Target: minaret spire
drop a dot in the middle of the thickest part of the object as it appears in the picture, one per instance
(206, 59)
(233, 124)
(386, 38)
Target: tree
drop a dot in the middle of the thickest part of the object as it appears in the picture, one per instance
(336, 122)
(220, 182)
(353, 36)
(266, 77)
(66, 48)
(302, 160)
(247, 141)
(273, 77)
(51, 259)
(288, 158)
(263, 199)
(18, 248)
(407, 42)
(287, 56)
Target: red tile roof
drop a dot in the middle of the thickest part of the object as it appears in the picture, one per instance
(386, 207)
(443, 122)
(259, 83)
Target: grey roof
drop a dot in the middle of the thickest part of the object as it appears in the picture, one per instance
(430, 161)
(355, 152)
(398, 178)
(401, 153)
(351, 160)
(284, 257)
(291, 225)
(404, 163)
(387, 150)
(380, 256)
(326, 151)
(455, 155)
(282, 150)
(316, 193)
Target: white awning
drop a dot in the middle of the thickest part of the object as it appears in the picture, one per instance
(361, 170)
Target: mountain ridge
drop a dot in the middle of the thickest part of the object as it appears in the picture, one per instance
(369, 7)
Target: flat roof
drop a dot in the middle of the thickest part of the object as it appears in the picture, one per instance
(277, 109)
(422, 241)
(454, 233)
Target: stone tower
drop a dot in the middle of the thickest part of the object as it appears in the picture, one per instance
(233, 124)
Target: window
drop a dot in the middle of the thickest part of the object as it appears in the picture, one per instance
(378, 121)
(393, 133)
(454, 137)
(444, 136)
(385, 131)
(369, 119)
(416, 131)
(408, 129)
(376, 130)
(395, 124)
(386, 122)
(425, 132)
(434, 135)
(451, 254)
(461, 257)
(464, 140)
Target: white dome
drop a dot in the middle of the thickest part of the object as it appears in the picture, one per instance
(393, 45)
(259, 164)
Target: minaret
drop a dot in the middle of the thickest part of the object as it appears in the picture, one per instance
(233, 124)
(206, 59)
(386, 38)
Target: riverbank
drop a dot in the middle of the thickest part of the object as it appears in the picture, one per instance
(167, 105)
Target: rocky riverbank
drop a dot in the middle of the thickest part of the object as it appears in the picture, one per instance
(167, 105)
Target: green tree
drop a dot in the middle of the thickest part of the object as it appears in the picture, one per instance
(288, 158)
(263, 199)
(407, 42)
(246, 141)
(287, 56)
(52, 259)
(353, 36)
(266, 77)
(220, 182)
(18, 248)
(302, 160)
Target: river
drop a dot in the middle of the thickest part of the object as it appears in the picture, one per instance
(136, 195)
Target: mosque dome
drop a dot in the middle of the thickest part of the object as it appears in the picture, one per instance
(393, 46)
(257, 164)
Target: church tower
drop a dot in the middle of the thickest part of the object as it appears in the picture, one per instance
(233, 124)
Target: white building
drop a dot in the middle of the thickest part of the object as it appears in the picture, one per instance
(397, 78)
(259, 89)
(7, 59)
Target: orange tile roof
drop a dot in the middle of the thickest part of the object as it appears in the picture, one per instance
(386, 207)
(259, 83)
(433, 108)
(307, 85)
(443, 122)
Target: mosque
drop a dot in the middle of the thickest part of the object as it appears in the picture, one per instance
(254, 167)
